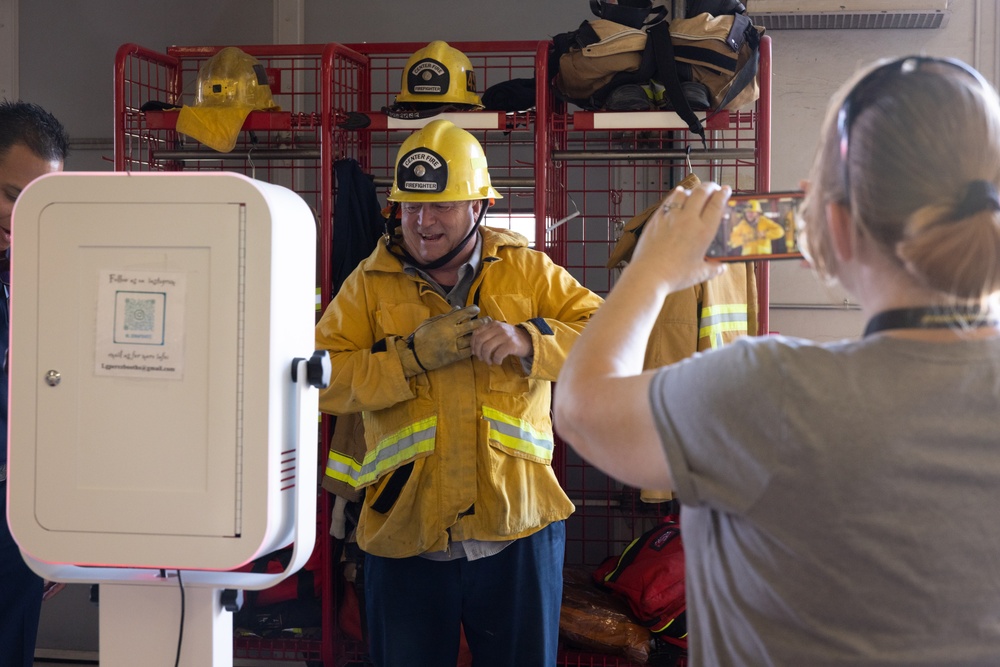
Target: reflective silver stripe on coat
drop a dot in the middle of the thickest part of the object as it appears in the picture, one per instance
(721, 318)
(519, 435)
(393, 450)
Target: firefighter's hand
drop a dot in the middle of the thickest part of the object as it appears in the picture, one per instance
(496, 341)
(676, 237)
(440, 341)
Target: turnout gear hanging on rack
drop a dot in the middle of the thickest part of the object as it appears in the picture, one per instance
(357, 219)
(357, 227)
(346, 453)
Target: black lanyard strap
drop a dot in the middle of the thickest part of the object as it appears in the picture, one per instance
(928, 318)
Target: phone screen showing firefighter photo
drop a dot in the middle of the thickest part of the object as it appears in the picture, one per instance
(762, 226)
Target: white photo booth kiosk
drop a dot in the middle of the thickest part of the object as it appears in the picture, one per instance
(163, 410)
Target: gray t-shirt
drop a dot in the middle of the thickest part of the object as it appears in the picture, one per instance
(841, 502)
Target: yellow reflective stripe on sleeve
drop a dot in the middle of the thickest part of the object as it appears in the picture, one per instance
(342, 468)
(397, 448)
(726, 317)
(518, 434)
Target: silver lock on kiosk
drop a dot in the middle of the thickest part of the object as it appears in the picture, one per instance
(163, 397)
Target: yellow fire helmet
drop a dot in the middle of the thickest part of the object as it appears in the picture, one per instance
(439, 74)
(230, 85)
(754, 205)
(441, 162)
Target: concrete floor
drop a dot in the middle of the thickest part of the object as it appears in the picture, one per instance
(68, 635)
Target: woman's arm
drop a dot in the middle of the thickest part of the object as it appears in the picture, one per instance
(602, 404)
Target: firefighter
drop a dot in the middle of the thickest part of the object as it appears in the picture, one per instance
(447, 338)
(754, 233)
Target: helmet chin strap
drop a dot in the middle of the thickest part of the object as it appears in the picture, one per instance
(391, 225)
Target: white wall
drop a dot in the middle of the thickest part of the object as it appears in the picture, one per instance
(450, 20)
(808, 66)
(67, 53)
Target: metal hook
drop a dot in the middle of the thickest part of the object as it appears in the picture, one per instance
(253, 145)
(687, 159)
(558, 223)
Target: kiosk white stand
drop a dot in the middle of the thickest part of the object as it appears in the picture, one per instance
(163, 424)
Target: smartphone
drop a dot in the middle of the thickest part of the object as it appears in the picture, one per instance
(758, 226)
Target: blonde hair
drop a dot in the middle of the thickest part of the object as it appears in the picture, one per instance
(923, 139)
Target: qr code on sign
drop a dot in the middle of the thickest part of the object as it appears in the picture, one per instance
(139, 314)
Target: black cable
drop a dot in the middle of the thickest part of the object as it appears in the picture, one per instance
(180, 633)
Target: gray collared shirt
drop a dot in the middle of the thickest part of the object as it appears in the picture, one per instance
(459, 293)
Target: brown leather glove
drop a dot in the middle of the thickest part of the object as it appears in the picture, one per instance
(439, 341)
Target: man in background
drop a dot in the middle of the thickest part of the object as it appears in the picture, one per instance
(32, 143)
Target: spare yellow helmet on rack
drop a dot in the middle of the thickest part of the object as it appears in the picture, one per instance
(439, 74)
(230, 85)
(233, 77)
(441, 162)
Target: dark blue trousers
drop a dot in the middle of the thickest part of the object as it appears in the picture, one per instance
(20, 599)
(508, 605)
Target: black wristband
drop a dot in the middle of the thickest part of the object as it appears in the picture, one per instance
(409, 344)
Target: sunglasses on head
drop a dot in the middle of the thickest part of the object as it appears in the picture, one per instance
(865, 92)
